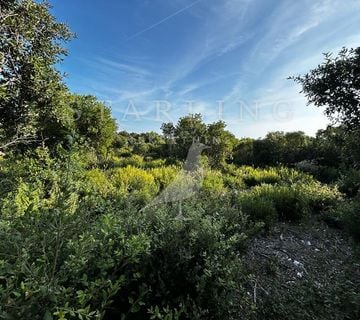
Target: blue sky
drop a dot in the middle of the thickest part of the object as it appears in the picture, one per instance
(153, 61)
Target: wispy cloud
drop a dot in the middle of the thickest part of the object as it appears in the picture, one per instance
(122, 67)
(226, 50)
(161, 21)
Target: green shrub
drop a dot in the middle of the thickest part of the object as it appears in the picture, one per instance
(26, 198)
(213, 182)
(345, 215)
(319, 196)
(234, 182)
(349, 183)
(157, 163)
(133, 160)
(288, 201)
(259, 209)
(96, 181)
(194, 265)
(290, 176)
(135, 181)
(32, 182)
(164, 175)
(65, 266)
(253, 177)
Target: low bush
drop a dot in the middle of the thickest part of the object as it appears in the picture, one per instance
(253, 177)
(234, 182)
(289, 202)
(138, 182)
(260, 209)
(62, 264)
(97, 181)
(157, 163)
(133, 160)
(164, 175)
(213, 182)
(319, 196)
(290, 176)
(345, 215)
(349, 183)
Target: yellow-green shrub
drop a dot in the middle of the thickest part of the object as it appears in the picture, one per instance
(134, 180)
(288, 201)
(253, 177)
(288, 175)
(164, 175)
(319, 196)
(97, 181)
(134, 160)
(213, 182)
(157, 163)
(26, 198)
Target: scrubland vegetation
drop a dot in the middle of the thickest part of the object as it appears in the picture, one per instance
(76, 241)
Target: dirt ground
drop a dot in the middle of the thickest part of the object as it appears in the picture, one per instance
(291, 258)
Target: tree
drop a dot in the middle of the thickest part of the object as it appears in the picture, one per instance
(328, 145)
(244, 152)
(269, 151)
(222, 143)
(296, 148)
(30, 87)
(168, 130)
(335, 85)
(188, 129)
(94, 124)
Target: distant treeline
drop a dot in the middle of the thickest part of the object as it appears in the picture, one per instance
(322, 155)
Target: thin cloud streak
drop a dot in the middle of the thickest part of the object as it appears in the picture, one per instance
(135, 35)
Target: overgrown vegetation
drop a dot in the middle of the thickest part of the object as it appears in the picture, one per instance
(77, 239)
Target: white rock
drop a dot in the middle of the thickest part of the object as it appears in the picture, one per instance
(297, 263)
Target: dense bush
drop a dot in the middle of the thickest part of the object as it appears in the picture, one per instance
(133, 160)
(253, 177)
(292, 202)
(74, 244)
(213, 182)
(164, 175)
(319, 197)
(67, 263)
(346, 215)
(96, 181)
(136, 181)
(260, 209)
(289, 202)
(349, 183)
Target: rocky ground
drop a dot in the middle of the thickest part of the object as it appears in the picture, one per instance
(305, 271)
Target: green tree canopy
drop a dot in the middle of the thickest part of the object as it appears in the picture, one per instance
(335, 85)
(30, 86)
(188, 129)
(222, 143)
(93, 122)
